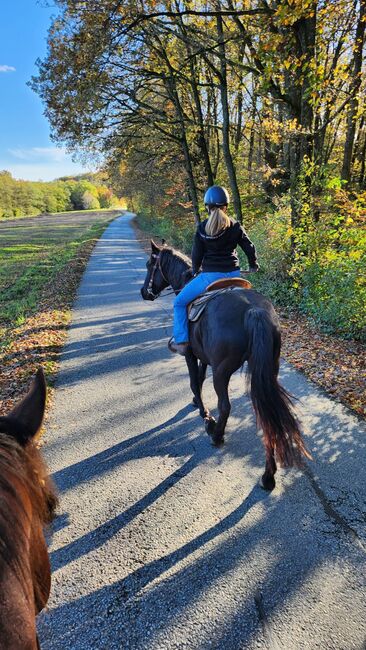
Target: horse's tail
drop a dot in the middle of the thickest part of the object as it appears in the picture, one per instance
(272, 404)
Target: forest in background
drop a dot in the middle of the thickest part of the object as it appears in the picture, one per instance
(26, 198)
(266, 97)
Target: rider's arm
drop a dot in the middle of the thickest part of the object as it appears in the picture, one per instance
(248, 247)
(197, 253)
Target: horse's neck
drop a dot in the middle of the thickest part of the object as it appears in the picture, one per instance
(16, 605)
(16, 580)
(24, 486)
(174, 269)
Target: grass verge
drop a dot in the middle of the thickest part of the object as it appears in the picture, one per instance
(40, 269)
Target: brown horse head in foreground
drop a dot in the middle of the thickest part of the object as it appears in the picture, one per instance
(27, 504)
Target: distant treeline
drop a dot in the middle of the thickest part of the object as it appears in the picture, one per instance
(19, 198)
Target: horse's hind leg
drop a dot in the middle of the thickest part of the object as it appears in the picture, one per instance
(221, 378)
(202, 368)
(196, 381)
(267, 481)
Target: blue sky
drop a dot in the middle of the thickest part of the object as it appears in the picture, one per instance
(26, 149)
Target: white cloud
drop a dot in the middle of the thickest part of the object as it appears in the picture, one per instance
(40, 154)
(43, 172)
(7, 68)
(41, 163)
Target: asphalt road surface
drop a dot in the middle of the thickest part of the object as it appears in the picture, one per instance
(164, 542)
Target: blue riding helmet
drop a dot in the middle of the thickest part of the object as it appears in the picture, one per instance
(217, 196)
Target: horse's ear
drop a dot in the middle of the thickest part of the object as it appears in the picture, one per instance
(30, 411)
(154, 247)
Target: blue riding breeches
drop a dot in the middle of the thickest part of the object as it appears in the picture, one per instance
(193, 289)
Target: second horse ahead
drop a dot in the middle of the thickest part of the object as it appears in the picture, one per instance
(236, 326)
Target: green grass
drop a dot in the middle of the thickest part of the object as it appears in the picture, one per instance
(31, 255)
(52, 215)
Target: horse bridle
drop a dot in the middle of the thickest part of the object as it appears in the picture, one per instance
(157, 266)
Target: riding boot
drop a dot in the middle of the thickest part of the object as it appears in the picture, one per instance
(181, 348)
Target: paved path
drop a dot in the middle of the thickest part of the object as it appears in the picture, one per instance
(164, 542)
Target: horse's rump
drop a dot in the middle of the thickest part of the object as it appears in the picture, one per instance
(222, 324)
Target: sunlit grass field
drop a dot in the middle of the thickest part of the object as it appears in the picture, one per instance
(41, 262)
(34, 250)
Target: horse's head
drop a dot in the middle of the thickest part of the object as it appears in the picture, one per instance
(21, 426)
(27, 502)
(155, 280)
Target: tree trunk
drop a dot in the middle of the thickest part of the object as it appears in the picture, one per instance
(363, 164)
(252, 136)
(301, 144)
(172, 90)
(226, 123)
(239, 120)
(201, 141)
(354, 90)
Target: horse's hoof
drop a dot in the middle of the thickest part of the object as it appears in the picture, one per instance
(267, 483)
(217, 441)
(210, 424)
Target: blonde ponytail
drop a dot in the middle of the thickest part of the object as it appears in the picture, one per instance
(218, 220)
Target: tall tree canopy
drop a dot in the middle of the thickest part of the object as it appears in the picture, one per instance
(212, 90)
(265, 96)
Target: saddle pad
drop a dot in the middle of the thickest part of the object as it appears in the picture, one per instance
(222, 283)
(197, 307)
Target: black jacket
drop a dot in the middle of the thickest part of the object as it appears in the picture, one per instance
(218, 253)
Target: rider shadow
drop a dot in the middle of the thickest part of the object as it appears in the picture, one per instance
(172, 439)
(129, 449)
(112, 599)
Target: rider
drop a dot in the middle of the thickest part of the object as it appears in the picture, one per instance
(214, 247)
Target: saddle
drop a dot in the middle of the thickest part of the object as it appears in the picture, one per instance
(198, 305)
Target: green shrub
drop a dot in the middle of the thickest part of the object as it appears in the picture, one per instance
(334, 294)
(323, 277)
(177, 233)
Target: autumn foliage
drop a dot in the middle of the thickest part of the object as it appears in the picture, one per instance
(267, 98)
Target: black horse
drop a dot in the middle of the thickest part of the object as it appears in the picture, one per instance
(236, 326)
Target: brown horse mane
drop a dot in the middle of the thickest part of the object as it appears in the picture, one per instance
(21, 465)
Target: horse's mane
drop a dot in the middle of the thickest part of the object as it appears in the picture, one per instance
(178, 255)
(21, 466)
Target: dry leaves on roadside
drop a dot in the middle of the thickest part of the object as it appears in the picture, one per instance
(39, 340)
(337, 365)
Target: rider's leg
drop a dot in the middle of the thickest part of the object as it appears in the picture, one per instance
(193, 289)
(187, 294)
